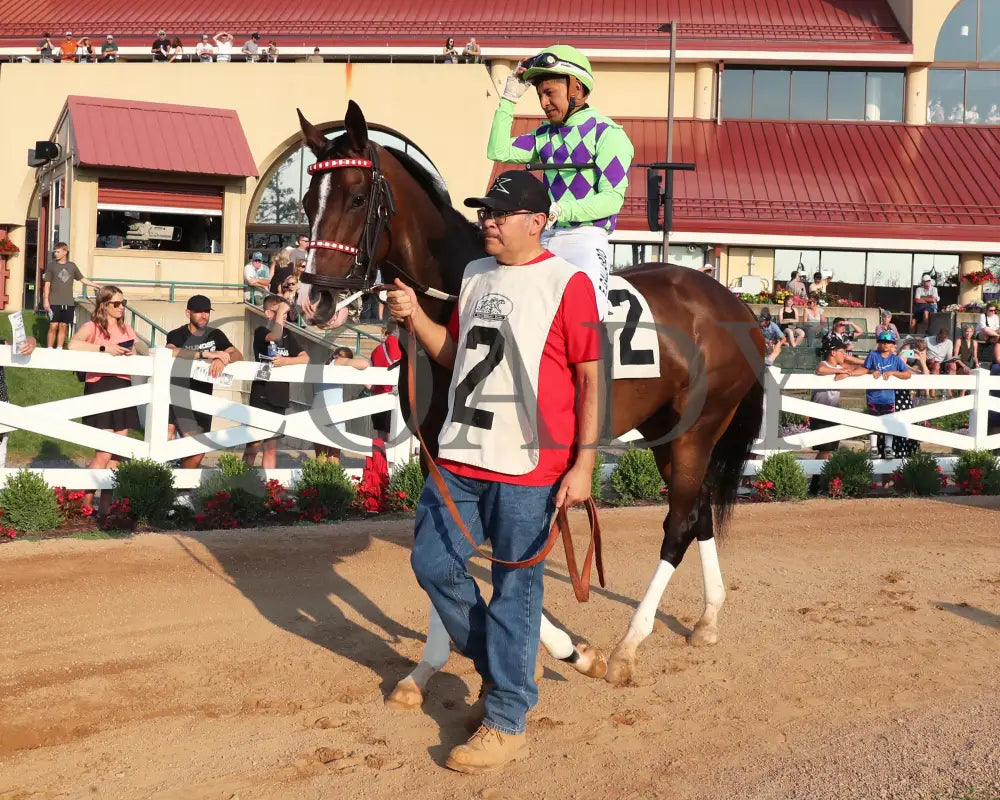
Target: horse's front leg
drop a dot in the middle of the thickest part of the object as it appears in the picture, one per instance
(409, 692)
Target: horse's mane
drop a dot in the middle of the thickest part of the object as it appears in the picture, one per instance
(428, 182)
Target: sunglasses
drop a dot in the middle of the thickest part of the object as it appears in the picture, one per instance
(289, 286)
(117, 303)
(500, 217)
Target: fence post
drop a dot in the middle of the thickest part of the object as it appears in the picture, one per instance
(157, 412)
(979, 416)
(770, 440)
(399, 451)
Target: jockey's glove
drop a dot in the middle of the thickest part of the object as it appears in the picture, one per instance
(554, 212)
(514, 88)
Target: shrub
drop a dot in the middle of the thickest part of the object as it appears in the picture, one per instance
(977, 472)
(635, 477)
(149, 488)
(120, 517)
(788, 419)
(29, 504)
(852, 472)
(919, 475)
(788, 479)
(405, 485)
(233, 499)
(333, 491)
(234, 466)
(597, 477)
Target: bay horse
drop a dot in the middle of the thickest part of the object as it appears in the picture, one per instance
(370, 207)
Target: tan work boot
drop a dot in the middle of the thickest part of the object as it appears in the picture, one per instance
(477, 711)
(487, 750)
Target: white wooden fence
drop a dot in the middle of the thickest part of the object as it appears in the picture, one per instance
(150, 392)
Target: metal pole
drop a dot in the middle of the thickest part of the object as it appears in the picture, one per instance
(668, 183)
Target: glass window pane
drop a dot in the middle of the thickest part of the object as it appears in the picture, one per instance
(847, 95)
(683, 255)
(884, 98)
(788, 261)
(737, 92)
(982, 96)
(957, 40)
(848, 273)
(809, 94)
(946, 90)
(889, 281)
(771, 90)
(989, 31)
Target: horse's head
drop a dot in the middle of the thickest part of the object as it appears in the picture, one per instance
(349, 205)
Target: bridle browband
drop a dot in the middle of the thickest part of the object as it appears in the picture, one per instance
(381, 210)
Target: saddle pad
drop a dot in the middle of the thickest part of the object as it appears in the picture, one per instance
(628, 326)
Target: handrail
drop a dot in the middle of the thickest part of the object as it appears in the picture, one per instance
(161, 284)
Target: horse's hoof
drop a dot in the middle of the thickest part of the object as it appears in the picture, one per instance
(621, 670)
(406, 696)
(703, 636)
(591, 662)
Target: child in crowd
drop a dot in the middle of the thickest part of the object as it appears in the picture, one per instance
(883, 363)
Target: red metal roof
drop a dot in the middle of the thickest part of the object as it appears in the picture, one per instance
(871, 179)
(631, 24)
(158, 136)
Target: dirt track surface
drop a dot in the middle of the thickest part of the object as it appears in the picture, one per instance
(858, 659)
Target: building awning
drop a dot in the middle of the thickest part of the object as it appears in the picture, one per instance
(159, 137)
(620, 24)
(830, 179)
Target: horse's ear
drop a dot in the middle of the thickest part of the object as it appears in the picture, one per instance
(312, 136)
(357, 128)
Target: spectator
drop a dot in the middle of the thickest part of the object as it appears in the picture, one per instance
(107, 332)
(988, 330)
(281, 268)
(46, 49)
(925, 303)
(287, 290)
(813, 319)
(819, 283)
(196, 341)
(385, 355)
(257, 275)
(965, 356)
(68, 48)
(176, 50)
(160, 47)
(109, 49)
(883, 363)
(272, 51)
(471, 52)
(833, 362)
(301, 250)
(789, 323)
(315, 58)
(939, 350)
(57, 293)
(903, 447)
(205, 50)
(450, 53)
(885, 324)
(84, 51)
(846, 331)
(796, 286)
(331, 395)
(274, 345)
(26, 349)
(223, 46)
(251, 49)
(773, 337)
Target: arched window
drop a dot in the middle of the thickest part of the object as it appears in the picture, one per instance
(279, 216)
(967, 90)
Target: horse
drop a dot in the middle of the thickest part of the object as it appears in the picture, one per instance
(372, 207)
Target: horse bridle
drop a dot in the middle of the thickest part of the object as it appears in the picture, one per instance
(381, 210)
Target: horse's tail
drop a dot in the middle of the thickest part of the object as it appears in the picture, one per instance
(732, 451)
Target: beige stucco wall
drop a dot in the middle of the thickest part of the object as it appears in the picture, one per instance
(928, 17)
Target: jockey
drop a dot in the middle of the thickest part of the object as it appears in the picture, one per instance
(585, 202)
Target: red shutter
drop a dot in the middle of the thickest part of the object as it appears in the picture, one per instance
(162, 195)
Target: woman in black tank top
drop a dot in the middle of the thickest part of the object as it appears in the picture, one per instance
(788, 322)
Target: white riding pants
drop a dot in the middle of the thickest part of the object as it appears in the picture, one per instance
(587, 249)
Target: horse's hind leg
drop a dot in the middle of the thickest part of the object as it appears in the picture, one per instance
(409, 692)
(583, 658)
(690, 507)
(705, 631)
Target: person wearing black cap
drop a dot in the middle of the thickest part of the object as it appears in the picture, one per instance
(198, 342)
(523, 346)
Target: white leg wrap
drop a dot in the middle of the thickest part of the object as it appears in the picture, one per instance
(715, 589)
(556, 641)
(642, 621)
(438, 645)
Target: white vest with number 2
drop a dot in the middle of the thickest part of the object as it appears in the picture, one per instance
(505, 315)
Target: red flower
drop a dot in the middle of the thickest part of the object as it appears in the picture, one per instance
(87, 510)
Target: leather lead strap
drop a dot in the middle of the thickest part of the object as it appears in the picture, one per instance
(560, 523)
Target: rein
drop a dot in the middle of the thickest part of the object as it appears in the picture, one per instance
(560, 523)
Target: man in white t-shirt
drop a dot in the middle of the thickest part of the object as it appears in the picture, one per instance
(204, 50)
(988, 330)
(257, 275)
(223, 46)
(925, 302)
(939, 350)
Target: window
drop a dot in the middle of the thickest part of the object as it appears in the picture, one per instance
(960, 96)
(812, 94)
(628, 254)
(139, 215)
(958, 38)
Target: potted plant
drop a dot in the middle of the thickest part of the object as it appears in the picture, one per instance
(8, 248)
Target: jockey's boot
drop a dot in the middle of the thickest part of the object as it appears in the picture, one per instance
(487, 750)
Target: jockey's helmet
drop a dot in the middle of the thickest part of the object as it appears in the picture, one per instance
(560, 59)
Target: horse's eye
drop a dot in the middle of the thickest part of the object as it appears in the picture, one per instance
(357, 202)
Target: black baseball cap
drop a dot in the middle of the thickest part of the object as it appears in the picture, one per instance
(199, 302)
(514, 190)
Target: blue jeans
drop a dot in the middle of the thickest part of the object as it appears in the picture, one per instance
(502, 638)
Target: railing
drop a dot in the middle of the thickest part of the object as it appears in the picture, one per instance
(154, 395)
(847, 423)
(172, 286)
